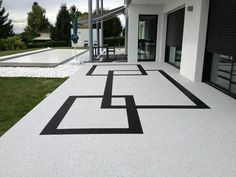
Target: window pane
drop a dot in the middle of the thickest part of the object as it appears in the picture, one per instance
(147, 28)
(221, 70)
(233, 80)
(174, 36)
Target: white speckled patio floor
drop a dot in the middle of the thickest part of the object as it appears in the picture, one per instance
(125, 120)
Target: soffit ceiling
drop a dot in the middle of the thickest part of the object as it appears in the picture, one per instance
(151, 1)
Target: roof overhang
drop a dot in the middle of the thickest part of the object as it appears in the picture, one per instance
(150, 2)
(105, 16)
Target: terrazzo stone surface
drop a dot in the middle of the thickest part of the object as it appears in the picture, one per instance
(174, 142)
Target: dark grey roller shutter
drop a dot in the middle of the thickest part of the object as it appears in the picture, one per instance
(175, 27)
(222, 27)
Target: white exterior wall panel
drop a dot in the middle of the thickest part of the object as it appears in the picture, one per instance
(194, 35)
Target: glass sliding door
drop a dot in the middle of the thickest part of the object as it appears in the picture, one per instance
(220, 54)
(147, 32)
(174, 37)
(233, 78)
(221, 72)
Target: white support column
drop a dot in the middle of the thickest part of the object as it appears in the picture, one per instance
(194, 39)
(126, 33)
(102, 24)
(162, 37)
(97, 25)
(90, 8)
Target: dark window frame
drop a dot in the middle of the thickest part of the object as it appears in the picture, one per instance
(166, 59)
(156, 28)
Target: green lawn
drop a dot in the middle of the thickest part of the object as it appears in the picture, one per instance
(11, 52)
(19, 95)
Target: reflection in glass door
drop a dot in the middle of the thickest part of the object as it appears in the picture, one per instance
(174, 37)
(221, 72)
(147, 30)
(233, 78)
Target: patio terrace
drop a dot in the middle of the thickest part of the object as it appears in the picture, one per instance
(125, 120)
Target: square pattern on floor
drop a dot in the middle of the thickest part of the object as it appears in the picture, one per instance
(123, 95)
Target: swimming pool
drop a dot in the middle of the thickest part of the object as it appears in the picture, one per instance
(45, 58)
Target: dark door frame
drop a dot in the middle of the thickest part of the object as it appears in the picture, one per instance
(154, 15)
(165, 58)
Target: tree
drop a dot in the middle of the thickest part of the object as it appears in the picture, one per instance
(6, 27)
(62, 30)
(112, 27)
(36, 21)
(74, 11)
(83, 16)
(123, 31)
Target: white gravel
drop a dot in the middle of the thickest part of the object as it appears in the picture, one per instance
(64, 70)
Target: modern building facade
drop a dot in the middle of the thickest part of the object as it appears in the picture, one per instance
(196, 36)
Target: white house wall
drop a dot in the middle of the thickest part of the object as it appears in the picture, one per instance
(194, 34)
(202, 39)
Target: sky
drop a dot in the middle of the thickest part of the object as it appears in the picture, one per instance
(18, 9)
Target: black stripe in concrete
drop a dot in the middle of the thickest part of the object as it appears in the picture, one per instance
(166, 107)
(126, 70)
(191, 96)
(134, 123)
(117, 75)
(132, 118)
(160, 107)
(51, 127)
(132, 113)
(142, 70)
(107, 96)
(118, 64)
(90, 72)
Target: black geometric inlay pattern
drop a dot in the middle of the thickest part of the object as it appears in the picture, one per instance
(130, 106)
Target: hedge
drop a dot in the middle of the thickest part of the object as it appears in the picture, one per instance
(48, 44)
(114, 41)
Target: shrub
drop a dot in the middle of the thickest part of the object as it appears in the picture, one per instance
(3, 45)
(57, 43)
(11, 43)
(48, 44)
(35, 45)
(114, 41)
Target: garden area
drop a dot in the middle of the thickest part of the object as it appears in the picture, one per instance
(19, 95)
(40, 32)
